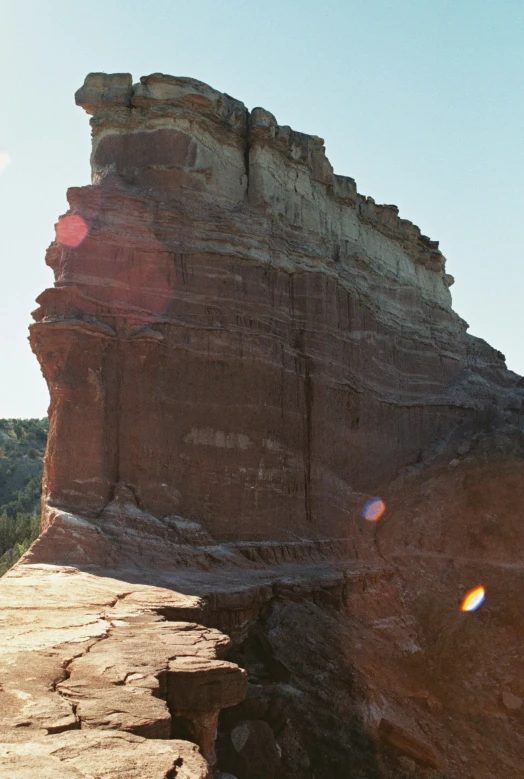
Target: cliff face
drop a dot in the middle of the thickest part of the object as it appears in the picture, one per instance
(239, 337)
(240, 350)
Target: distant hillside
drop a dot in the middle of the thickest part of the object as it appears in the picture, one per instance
(22, 447)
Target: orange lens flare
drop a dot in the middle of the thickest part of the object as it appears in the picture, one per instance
(71, 230)
(473, 599)
(373, 509)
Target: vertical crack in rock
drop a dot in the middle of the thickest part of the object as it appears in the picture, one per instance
(173, 772)
(115, 408)
(55, 688)
(247, 148)
(308, 397)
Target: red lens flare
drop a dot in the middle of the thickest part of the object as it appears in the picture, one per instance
(71, 230)
(373, 509)
(473, 599)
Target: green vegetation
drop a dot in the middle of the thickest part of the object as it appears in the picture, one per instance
(22, 447)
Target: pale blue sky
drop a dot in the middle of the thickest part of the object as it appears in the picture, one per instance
(420, 101)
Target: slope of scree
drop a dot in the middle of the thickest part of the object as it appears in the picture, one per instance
(240, 351)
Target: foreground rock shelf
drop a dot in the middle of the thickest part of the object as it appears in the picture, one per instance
(83, 651)
(361, 664)
(240, 351)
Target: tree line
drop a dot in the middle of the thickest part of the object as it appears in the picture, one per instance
(22, 448)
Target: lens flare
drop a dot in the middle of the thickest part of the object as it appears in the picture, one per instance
(473, 599)
(71, 230)
(373, 509)
(5, 159)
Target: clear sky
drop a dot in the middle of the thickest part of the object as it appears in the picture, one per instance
(421, 101)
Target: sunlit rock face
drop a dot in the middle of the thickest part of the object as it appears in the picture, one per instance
(236, 334)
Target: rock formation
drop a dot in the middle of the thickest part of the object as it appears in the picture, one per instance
(251, 341)
(240, 350)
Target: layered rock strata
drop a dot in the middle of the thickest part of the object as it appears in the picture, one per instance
(241, 349)
(251, 342)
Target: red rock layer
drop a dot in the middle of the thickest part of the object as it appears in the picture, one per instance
(240, 338)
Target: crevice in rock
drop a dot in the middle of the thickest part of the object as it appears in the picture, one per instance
(246, 161)
(172, 773)
(181, 728)
(116, 409)
(247, 149)
(66, 675)
(118, 598)
(308, 397)
(76, 725)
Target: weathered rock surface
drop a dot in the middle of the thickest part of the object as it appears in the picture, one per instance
(90, 652)
(240, 350)
(99, 755)
(253, 343)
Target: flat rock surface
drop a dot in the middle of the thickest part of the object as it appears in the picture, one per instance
(71, 663)
(100, 755)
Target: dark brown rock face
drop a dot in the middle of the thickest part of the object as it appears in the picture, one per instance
(253, 750)
(240, 338)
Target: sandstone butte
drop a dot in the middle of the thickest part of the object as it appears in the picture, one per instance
(240, 351)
